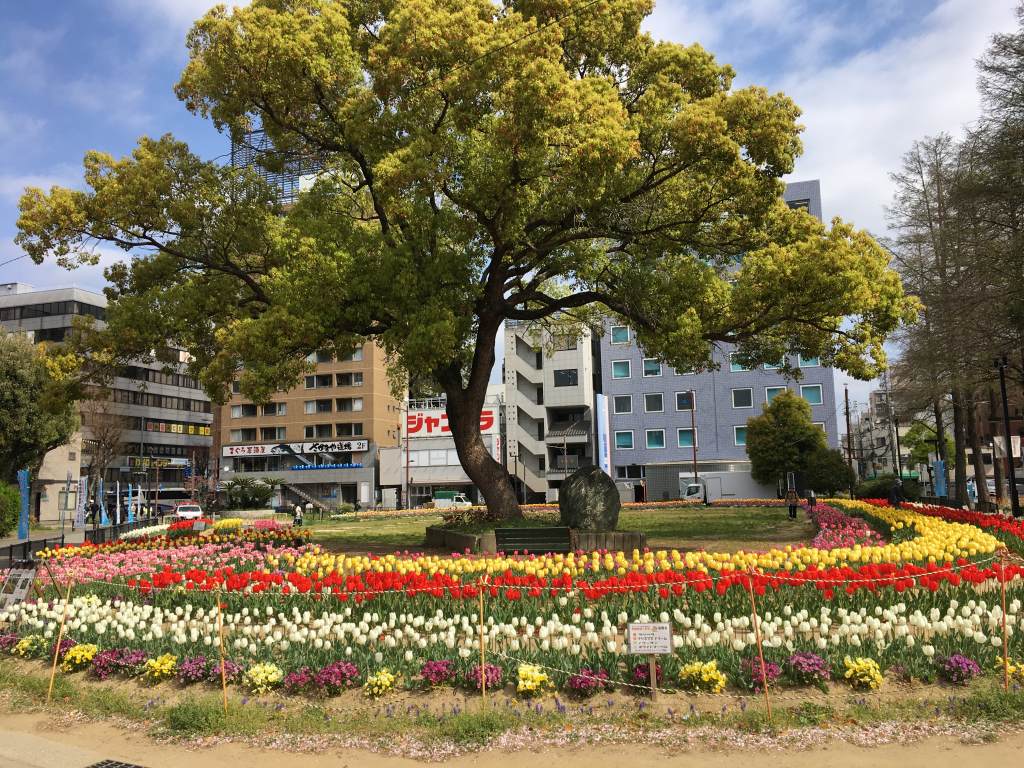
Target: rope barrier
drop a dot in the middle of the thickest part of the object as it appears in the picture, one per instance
(734, 578)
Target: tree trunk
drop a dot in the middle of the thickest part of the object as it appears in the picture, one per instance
(960, 448)
(465, 402)
(486, 473)
(973, 439)
(940, 443)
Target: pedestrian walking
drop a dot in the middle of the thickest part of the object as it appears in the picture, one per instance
(812, 500)
(94, 510)
(793, 500)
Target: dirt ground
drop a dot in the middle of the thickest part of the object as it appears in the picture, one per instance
(33, 741)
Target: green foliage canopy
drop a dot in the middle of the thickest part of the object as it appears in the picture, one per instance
(36, 414)
(783, 438)
(481, 162)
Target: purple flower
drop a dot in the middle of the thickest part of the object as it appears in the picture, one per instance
(193, 669)
(8, 641)
(118, 661)
(232, 671)
(807, 668)
(493, 675)
(757, 675)
(66, 644)
(588, 681)
(958, 669)
(336, 677)
(300, 681)
(438, 672)
(642, 673)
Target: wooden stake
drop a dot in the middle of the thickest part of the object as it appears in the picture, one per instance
(1006, 653)
(760, 651)
(60, 636)
(223, 672)
(483, 665)
(652, 665)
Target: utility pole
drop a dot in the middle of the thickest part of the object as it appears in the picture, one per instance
(1001, 363)
(896, 431)
(849, 440)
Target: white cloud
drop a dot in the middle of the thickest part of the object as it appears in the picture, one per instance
(12, 185)
(864, 110)
(864, 113)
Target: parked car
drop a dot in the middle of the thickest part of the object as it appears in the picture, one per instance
(190, 511)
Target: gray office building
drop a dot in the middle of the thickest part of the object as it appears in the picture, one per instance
(658, 415)
(156, 418)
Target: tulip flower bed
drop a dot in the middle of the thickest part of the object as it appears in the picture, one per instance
(924, 604)
(1008, 530)
(277, 536)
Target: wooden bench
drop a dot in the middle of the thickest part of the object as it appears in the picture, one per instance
(536, 541)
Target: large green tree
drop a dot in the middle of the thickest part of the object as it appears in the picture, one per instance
(35, 414)
(479, 162)
(783, 439)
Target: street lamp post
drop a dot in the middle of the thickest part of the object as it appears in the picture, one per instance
(1001, 363)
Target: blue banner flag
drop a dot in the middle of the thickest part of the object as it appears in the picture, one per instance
(23, 490)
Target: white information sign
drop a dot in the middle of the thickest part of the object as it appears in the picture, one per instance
(650, 638)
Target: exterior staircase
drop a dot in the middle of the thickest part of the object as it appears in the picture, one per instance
(307, 497)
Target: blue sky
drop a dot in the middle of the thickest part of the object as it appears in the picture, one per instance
(870, 75)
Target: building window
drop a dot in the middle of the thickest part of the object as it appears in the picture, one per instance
(684, 401)
(808, 362)
(567, 377)
(275, 409)
(739, 435)
(624, 440)
(620, 369)
(620, 334)
(350, 429)
(236, 387)
(743, 398)
(320, 357)
(685, 438)
(735, 366)
(622, 404)
(654, 402)
(820, 424)
(272, 433)
(811, 393)
(354, 379)
(243, 411)
(243, 435)
(319, 381)
(354, 357)
(773, 367)
(652, 367)
(563, 342)
(770, 393)
(319, 430)
(655, 438)
(350, 403)
(317, 406)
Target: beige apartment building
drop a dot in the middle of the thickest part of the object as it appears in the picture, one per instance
(321, 439)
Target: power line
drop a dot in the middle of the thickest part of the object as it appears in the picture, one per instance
(11, 261)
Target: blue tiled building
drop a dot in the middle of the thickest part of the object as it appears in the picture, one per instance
(656, 414)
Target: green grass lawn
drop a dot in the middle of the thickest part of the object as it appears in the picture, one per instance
(721, 529)
(382, 535)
